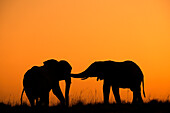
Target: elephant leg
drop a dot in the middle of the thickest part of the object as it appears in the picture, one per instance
(140, 98)
(37, 102)
(30, 98)
(106, 92)
(68, 82)
(139, 95)
(116, 94)
(134, 97)
(57, 92)
(44, 99)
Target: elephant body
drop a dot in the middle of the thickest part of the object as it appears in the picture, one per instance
(117, 75)
(38, 81)
(37, 84)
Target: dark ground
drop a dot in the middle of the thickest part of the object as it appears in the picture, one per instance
(153, 106)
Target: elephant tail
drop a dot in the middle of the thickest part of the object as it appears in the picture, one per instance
(22, 95)
(143, 88)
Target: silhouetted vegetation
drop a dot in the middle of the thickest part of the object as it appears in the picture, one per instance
(153, 106)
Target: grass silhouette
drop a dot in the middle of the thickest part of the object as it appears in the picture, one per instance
(153, 106)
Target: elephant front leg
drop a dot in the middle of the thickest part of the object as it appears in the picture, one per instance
(68, 82)
(57, 92)
(116, 94)
(106, 92)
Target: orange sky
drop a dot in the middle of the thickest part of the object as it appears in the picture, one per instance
(81, 32)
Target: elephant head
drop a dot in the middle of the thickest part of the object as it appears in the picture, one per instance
(58, 70)
(38, 81)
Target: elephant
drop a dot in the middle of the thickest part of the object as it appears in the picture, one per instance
(39, 80)
(126, 74)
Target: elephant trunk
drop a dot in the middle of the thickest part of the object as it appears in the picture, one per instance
(79, 75)
(84, 74)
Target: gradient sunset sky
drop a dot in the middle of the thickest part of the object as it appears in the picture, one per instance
(81, 32)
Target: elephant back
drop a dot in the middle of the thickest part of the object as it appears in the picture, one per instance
(36, 78)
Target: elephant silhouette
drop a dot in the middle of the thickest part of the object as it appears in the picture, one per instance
(39, 80)
(117, 75)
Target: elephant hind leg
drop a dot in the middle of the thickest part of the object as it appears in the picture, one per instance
(134, 97)
(137, 98)
(44, 99)
(31, 100)
(30, 96)
(37, 101)
(106, 92)
(116, 94)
